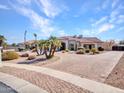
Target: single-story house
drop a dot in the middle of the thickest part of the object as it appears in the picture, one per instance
(75, 42)
(28, 44)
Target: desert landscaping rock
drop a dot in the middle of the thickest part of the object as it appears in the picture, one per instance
(116, 77)
(94, 67)
(84, 83)
(52, 85)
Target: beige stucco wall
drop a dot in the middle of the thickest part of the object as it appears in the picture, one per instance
(74, 43)
(77, 44)
(66, 42)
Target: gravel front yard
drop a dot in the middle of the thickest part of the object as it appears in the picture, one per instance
(94, 67)
(116, 78)
(48, 83)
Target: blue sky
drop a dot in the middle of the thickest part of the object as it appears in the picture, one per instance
(100, 18)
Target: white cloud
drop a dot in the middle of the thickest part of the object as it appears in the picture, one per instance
(24, 1)
(100, 21)
(95, 31)
(43, 24)
(50, 8)
(113, 15)
(120, 29)
(4, 7)
(105, 27)
(120, 19)
(62, 33)
(40, 23)
(105, 4)
(87, 32)
(116, 16)
(114, 3)
(121, 6)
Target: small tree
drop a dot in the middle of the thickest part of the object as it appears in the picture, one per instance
(48, 47)
(14, 44)
(36, 44)
(54, 44)
(25, 34)
(4, 45)
(2, 39)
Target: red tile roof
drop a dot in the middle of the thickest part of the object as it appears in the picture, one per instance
(82, 40)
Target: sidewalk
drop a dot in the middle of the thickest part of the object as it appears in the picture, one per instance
(84, 83)
(19, 85)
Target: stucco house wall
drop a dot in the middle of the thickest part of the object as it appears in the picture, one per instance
(73, 43)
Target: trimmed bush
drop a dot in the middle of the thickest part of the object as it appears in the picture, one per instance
(25, 55)
(94, 50)
(87, 51)
(67, 50)
(31, 57)
(100, 49)
(80, 48)
(9, 55)
(80, 51)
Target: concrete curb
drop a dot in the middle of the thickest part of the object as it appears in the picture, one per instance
(84, 83)
(20, 85)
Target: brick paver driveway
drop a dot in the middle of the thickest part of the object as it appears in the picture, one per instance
(95, 67)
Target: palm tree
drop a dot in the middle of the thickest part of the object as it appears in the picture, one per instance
(48, 47)
(2, 39)
(36, 44)
(4, 45)
(25, 33)
(54, 44)
(35, 35)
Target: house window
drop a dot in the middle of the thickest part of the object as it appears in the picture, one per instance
(71, 46)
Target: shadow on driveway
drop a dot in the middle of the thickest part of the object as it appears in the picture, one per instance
(33, 61)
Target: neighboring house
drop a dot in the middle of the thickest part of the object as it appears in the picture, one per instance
(107, 45)
(75, 42)
(30, 43)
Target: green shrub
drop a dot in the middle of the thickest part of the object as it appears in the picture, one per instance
(87, 51)
(67, 50)
(94, 50)
(80, 51)
(100, 49)
(9, 55)
(80, 48)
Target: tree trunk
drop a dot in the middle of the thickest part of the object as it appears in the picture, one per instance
(36, 46)
(37, 52)
(1, 42)
(40, 51)
(50, 52)
(54, 49)
(45, 52)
